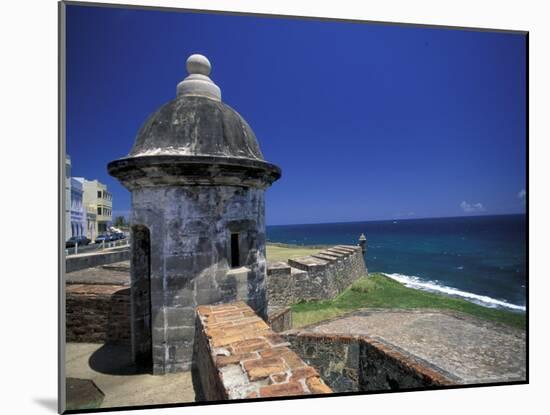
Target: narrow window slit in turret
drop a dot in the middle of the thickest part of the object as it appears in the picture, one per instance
(235, 255)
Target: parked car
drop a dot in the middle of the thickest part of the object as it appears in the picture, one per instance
(81, 240)
(102, 238)
(117, 236)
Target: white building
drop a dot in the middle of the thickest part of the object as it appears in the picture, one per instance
(68, 232)
(97, 199)
(91, 223)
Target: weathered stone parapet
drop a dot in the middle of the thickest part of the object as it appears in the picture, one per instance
(325, 257)
(238, 356)
(95, 259)
(350, 248)
(339, 251)
(384, 367)
(319, 282)
(308, 263)
(97, 313)
(335, 357)
(279, 318)
(360, 363)
(332, 255)
(280, 283)
(315, 277)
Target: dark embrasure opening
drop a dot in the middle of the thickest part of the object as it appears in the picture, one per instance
(235, 262)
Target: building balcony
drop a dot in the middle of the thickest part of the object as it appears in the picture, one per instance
(104, 218)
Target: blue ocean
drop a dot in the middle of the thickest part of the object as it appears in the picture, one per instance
(482, 259)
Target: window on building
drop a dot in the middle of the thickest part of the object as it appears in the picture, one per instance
(99, 210)
(99, 194)
(235, 254)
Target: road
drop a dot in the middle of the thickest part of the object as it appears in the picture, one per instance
(97, 247)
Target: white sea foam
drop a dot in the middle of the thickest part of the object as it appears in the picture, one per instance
(434, 286)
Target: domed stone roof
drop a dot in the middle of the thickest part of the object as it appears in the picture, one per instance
(194, 125)
(195, 139)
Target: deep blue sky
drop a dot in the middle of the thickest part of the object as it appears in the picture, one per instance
(366, 121)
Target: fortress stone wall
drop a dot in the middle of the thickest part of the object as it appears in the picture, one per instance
(98, 298)
(360, 363)
(315, 277)
(96, 259)
(98, 304)
(98, 313)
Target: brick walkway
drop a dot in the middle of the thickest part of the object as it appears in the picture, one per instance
(239, 356)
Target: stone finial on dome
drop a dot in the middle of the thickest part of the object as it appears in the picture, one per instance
(198, 82)
(198, 64)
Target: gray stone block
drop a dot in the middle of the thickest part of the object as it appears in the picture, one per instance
(179, 316)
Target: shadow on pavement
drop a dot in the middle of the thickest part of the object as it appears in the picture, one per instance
(115, 359)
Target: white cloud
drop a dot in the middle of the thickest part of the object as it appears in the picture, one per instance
(522, 195)
(472, 207)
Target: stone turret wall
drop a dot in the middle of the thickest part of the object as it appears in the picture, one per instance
(190, 263)
(315, 277)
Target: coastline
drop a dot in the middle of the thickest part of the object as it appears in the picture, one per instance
(434, 287)
(415, 282)
(398, 291)
(381, 292)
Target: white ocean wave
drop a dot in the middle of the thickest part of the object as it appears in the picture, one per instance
(432, 286)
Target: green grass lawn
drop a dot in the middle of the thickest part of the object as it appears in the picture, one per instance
(281, 252)
(380, 291)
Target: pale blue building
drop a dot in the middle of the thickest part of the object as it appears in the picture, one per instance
(77, 211)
